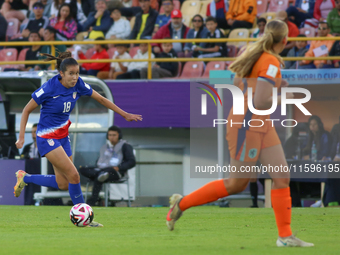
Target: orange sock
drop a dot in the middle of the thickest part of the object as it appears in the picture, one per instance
(206, 194)
(282, 206)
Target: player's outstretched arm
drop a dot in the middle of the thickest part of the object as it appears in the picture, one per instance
(108, 104)
(31, 105)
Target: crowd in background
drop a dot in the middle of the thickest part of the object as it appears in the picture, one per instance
(65, 20)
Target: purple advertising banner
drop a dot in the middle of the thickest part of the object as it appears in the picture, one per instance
(166, 103)
(161, 103)
(8, 167)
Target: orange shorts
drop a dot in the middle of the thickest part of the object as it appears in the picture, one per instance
(245, 145)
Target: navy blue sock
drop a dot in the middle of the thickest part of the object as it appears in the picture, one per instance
(75, 193)
(42, 180)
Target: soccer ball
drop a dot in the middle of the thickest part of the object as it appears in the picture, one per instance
(81, 215)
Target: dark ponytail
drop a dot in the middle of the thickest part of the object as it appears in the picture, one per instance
(64, 60)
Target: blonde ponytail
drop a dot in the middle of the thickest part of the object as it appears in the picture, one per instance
(274, 32)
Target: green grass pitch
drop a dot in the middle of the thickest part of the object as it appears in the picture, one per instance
(202, 230)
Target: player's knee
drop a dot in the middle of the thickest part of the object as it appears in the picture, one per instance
(281, 183)
(74, 178)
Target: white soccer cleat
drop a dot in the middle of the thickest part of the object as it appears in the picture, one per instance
(175, 212)
(292, 241)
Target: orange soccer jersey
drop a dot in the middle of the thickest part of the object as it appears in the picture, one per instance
(245, 142)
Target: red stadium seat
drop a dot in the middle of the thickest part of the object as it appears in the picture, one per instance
(213, 65)
(10, 54)
(278, 5)
(135, 3)
(192, 70)
(133, 51)
(111, 52)
(177, 6)
(22, 57)
(89, 53)
(12, 27)
(232, 51)
(262, 6)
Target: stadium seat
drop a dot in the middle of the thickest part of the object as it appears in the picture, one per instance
(12, 27)
(135, 3)
(262, 6)
(251, 31)
(204, 7)
(89, 53)
(192, 70)
(213, 65)
(133, 51)
(239, 33)
(9, 54)
(232, 51)
(308, 31)
(177, 6)
(22, 57)
(268, 16)
(278, 5)
(186, 19)
(111, 51)
(191, 8)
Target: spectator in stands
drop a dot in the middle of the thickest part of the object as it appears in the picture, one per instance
(3, 29)
(293, 31)
(98, 22)
(133, 69)
(164, 18)
(117, 68)
(94, 68)
(261, 23)
(39, 23)
(49, 35)
(14, 9)
(333, 19)
(321, 10)
(65, 24)
(335, 51)
(320, 137)
(47, 7)
(31, 150)
(211, 49)
(199, 31)
(32, 54)
(145, 21)
(133, 11)
(297, 139)
(218, 10)
(300, 12)
(241, 13)
(335, 133)
(318, 49)
(115, 159)
(175, 30)
(299, 50)
(121, 27)
(163, 69)
(54, 8)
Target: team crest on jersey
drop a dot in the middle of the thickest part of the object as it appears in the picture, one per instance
(74, 95)
(50, 142)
